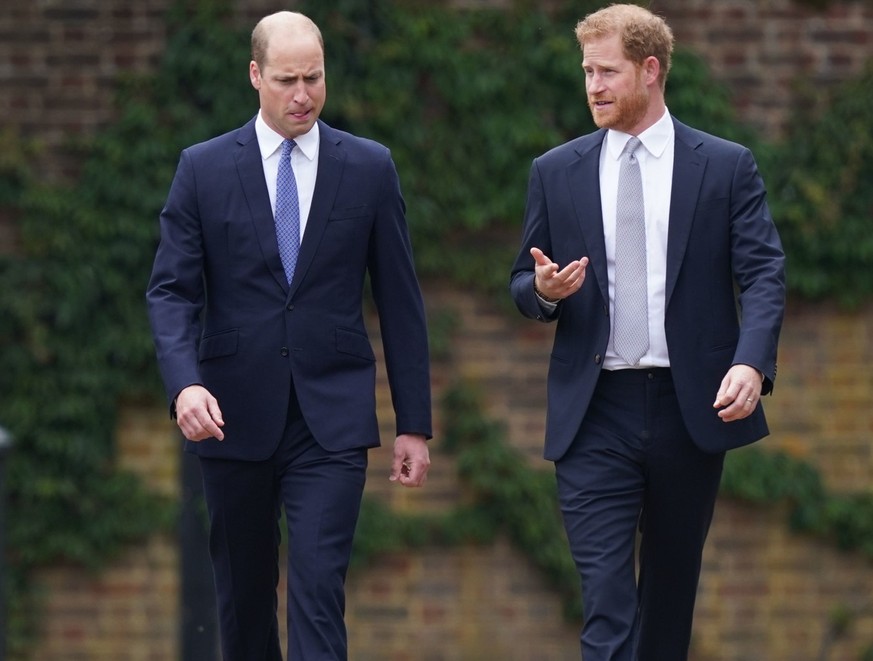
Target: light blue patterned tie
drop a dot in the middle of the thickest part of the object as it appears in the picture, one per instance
(631, 323)
(287, 212)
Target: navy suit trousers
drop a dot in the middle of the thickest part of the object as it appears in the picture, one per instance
(321, 493)
(634, 468)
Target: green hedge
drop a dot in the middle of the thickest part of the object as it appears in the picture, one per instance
(820, 184)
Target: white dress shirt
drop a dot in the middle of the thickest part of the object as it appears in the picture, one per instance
(304, 162)
(656, 169)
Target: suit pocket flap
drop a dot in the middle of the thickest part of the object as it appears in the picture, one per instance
(354, 343)
(220, 344)
(349, 213)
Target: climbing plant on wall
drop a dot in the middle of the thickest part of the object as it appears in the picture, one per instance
(819, 181)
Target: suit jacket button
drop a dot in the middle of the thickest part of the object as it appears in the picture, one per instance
(597, 359)
(290, 307)
(284, 351)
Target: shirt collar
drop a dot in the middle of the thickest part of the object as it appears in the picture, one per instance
(269, 141)
(655, 138)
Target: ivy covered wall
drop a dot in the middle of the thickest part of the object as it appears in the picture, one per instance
(463, 110)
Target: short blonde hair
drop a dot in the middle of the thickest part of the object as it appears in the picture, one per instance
(643, 34)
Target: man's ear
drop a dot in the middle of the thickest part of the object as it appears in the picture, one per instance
(255, 75)
(651, 68)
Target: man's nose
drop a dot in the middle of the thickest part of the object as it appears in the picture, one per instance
(594, 83)
(299, 93)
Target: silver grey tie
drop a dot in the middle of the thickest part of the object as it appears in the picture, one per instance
(631, 322)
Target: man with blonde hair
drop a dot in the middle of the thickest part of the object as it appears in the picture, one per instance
(255, 300)
(651, 245)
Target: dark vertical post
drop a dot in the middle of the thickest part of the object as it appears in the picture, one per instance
(5, 445)
(199, 613)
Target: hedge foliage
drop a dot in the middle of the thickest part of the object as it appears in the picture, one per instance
(465, 99)
(820, 185)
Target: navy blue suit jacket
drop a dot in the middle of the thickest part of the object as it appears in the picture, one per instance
(224, 316)
(725, 281)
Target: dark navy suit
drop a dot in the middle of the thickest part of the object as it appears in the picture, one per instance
(724, 305)
(291, 367)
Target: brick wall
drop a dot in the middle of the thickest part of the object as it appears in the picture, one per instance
(767, 50)
(765, 593)
(60, 59)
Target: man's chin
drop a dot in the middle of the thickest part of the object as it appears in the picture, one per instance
(602, 119)
(296, 129)
(602, 122)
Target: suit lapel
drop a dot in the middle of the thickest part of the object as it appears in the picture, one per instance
(583, 177)
(330, 165)
(688, 168)
(251, 175)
